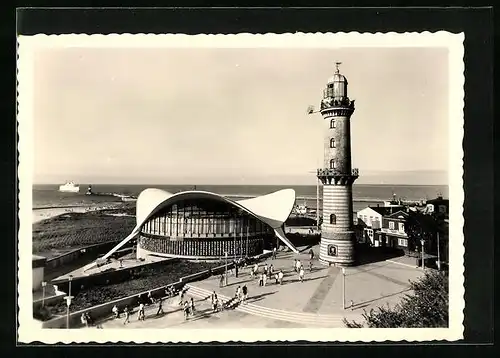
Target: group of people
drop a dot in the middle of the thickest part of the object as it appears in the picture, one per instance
(189, 308)
(170, 291)
(86, 320)
(268, 273)
(241, 294)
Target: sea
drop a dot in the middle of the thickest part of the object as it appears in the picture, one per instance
(48, 196)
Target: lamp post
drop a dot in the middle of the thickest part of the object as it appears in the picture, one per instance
(70, 278)
(423, 253)
(68, 303)
(43, 292)
(226, 268)
(343, 288)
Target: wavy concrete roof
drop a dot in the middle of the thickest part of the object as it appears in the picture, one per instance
(273, 209)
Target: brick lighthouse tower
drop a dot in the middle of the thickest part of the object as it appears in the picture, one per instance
(337, 175)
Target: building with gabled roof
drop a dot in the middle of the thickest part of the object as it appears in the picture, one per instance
(370, 220)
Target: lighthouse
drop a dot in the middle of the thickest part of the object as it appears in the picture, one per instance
(337, 175)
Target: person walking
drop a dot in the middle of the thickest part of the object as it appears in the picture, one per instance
(116, 312)
(276, 277)
(255, 269)
(150, 298)
(193, 309)
(181, 296)
(244, 290)
(298, 265)
(236, 269)
(274, 252)
(261, 279)
(140, 315)
(311, 254)
(310, 266)
(186, 310)
(301, 274)
(84, 321)
(127, 315)
(271, 271)
(264, 280)
(90, 321)
(237, 295)
(160, 307)
(280, 277)
(221, 280)
(215, 304)
(295, 265)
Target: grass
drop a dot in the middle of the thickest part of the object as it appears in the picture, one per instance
(75, 230)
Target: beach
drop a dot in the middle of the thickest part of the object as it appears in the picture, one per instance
(40, 214)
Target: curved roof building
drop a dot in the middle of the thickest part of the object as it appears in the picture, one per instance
(205, 225)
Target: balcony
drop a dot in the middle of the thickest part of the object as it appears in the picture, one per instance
(324, 172)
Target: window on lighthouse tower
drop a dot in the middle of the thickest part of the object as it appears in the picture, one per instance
(333, 219)
(332, 123)
(332, 143)
(332, 164)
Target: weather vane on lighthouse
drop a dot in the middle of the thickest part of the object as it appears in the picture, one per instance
(337, 64)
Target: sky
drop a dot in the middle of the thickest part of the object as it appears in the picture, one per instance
(234, 116)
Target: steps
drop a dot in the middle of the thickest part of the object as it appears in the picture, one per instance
(307, 319)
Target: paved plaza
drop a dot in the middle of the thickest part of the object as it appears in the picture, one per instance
(315, 302)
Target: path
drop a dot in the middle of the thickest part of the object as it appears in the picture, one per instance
(315, 302)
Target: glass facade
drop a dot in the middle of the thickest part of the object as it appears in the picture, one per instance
(202, 218)
(205, 227)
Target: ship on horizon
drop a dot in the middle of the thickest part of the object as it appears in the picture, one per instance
(69, 187)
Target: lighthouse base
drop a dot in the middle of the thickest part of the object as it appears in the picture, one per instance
(339, 250)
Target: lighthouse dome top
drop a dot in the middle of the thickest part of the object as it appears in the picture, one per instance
(337, 77)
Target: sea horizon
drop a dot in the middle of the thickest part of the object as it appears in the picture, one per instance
(48, 195)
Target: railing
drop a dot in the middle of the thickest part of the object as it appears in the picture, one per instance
(336, 172)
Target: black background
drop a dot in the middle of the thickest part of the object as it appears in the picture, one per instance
(477, 24)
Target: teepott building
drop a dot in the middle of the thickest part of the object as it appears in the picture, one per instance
(202, 225)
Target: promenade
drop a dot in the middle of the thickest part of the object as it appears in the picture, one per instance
(315, 302)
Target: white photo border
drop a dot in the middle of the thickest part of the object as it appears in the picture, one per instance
(30, 331)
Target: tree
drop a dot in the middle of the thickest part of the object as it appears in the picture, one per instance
(420, 227)
(426, 306)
